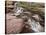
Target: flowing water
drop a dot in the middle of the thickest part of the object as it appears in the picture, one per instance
(33, 24)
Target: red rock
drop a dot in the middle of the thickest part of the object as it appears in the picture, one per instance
(13, 25)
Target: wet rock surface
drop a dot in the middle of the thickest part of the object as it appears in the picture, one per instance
(24, 17)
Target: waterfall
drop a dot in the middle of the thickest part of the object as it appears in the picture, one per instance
(35, 25)
(32, 23)
(17, 10)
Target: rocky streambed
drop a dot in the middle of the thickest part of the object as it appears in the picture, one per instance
(24, 17)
